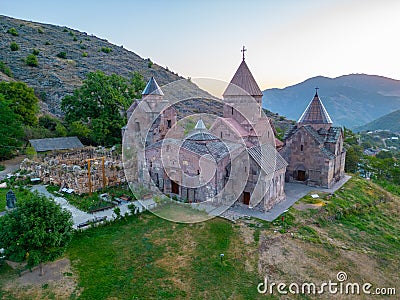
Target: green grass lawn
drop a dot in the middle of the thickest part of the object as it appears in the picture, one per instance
(86, 202)
(146, 257)
(149, 258)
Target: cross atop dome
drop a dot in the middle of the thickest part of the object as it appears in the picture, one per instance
(243, 50)
(315, 113)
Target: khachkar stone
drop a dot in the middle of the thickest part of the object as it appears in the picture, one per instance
(11, 200)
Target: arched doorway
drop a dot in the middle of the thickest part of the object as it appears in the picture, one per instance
(301, 173)
(174, 187)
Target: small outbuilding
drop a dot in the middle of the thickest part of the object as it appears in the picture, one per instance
(61, 143)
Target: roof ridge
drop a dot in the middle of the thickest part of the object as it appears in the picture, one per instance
(315, 113)
(152, 88)
(243, 80)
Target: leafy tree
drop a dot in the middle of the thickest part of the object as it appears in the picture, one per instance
(48, 122)
(137, 83)
(60, 130)
(31, 60)
(11, 131)
(14, 46)
(22, 100)
(352, 159)
(5, 69)
(81, 130)
(99, 105)
(106, 49)
(13, 31)
(384, 154)
(38, 230)
(62, 55)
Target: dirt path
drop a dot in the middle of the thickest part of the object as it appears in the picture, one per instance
(11, 165)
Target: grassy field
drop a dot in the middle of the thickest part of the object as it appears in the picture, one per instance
(356, 231)
(144, 257)
(88, 203)
(150, 258)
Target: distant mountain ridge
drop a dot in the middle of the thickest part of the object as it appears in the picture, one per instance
(351, 100)
(56, 76)
(387, 122)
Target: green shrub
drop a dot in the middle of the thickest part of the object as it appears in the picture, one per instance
(82, 47)
(47, 43)
(13, 31)
(150, 63)
(40, 30)
(35, 52)
(62, 55)
(14, 46)
(5, 69)
(31, 60)
(65, 30)
(71, 33)
(84, 54)
(75, 39)
(106, 49)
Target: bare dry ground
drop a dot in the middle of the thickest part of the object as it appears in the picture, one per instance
(57, 282)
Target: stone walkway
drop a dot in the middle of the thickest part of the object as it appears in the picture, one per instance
(80, 216)
(11, 165)
(294, 192)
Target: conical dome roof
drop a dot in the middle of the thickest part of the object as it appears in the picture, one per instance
(152, 88)
(244, 80)
(315, 113)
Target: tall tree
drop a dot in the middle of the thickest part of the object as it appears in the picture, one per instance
(38, 230)
(22, 100)
(100, 104)
(11, 131)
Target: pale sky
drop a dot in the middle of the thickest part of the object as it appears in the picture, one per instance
(288, 41)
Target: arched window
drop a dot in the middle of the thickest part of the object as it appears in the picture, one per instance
(137, 126)
(301, 148)
(232, 110)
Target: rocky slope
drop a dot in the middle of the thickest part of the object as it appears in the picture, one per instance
(55, 77)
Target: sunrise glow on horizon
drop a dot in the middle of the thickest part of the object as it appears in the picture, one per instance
(287, 41)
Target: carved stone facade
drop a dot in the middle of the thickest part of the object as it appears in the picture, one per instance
(237, 138)
(314, 149)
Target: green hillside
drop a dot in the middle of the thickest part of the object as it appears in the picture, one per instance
(387, 122)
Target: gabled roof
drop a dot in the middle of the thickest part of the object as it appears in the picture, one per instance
(322, 136)
(315, 113)
(245, 81)
(62, 143)
(267, 158)
(152, 88)
(235, 126)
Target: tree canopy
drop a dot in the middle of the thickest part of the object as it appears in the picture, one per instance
(38, 230)
(100, 105)
(11, 131)
(22, 100)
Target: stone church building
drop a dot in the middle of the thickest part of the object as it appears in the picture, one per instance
(238, 150)
(314, 148)
(242, 134)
